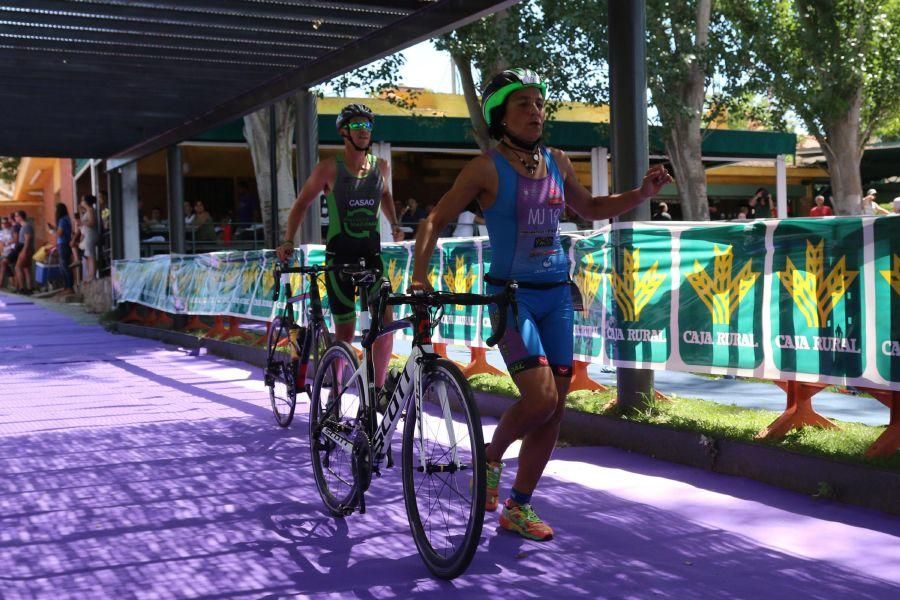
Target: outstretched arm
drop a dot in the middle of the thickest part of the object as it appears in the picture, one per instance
(605, 207)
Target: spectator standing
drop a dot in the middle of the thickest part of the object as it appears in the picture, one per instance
(188, 213)
(870, 206)
(663, 213)
(896, 204)
(465, 224)
(412, 214)
(64, 251)
(247, 203)
(760, 205)
(206, 231)
(89, 235)
(820, 209)
(8, 242)
(26, 252)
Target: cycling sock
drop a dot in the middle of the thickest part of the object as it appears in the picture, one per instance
(519, 497)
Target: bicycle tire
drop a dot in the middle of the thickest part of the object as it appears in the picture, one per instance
(332, 467)
(446, 543)
(280, 375)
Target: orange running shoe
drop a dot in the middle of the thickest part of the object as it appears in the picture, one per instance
(492, 499)
(522, 519)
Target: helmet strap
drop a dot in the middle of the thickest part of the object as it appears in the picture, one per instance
(349, 138)
(529, 147)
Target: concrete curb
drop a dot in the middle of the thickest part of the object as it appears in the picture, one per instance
(858, 484)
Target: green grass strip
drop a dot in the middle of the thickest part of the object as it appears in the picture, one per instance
(847, 443)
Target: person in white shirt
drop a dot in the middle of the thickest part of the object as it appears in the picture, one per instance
(465, 224)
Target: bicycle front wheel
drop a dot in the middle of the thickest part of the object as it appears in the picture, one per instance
(336, 404)
(444, 470)
(280, 373)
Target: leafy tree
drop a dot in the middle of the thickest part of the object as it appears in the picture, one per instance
(835, 64)
(690, 45)
(9, 167)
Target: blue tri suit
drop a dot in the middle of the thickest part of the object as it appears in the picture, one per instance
(523, 227)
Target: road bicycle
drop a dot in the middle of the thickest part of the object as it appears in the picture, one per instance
(290, 347)
(442, 449)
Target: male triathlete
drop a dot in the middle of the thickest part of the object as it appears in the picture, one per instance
(355, 186)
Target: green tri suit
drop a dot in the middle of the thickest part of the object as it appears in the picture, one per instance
(354, 231)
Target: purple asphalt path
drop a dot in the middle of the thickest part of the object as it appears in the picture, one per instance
(131, 469)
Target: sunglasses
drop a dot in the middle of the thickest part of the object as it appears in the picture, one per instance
(359, 125)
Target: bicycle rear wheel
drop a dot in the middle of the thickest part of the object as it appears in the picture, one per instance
(336, 404)
(280, 375)
(444, 470)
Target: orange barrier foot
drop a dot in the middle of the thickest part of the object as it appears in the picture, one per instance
(194, 323)
(660, 397)
(133, 315)
(888, 442)
(218, 329)
(234, 330)
(799, 412)
(581, 380)
(264, 339)
(163, 319)
(440, 349)
(479, 364)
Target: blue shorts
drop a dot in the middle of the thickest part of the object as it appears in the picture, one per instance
(544, 335)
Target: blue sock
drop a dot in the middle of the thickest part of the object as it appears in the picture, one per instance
(519, 498)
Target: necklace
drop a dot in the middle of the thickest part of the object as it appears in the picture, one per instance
(531, 167)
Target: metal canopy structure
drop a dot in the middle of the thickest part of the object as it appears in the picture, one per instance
(125, 78)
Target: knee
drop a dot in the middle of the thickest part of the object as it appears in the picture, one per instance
(544, 403)
(559, 411)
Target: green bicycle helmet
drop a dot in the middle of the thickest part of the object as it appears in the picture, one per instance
(504, 84)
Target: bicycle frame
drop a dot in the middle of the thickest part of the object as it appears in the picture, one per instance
(315, 317)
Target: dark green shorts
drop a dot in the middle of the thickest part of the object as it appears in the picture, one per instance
(341, 293)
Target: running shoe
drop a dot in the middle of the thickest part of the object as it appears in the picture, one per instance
(522, 519)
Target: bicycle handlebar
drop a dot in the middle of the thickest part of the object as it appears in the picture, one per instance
(503, 299)
(281, 268)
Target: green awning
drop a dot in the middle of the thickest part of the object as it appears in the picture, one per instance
(456, 132)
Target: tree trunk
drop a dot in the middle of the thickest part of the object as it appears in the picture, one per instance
(843, 155)
(479, 126)
(684, 139)
(256, 132)
(683, 146)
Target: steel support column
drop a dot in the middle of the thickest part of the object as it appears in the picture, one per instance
(175, 182)
(116, 226)
(630, 147)
(306, 133)
(131, 226)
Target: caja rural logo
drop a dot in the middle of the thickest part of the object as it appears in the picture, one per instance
(722, 294)
(632, 291)
(816, 295)
(892, 347)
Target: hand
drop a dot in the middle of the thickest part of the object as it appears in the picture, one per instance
(285, 250)
(654, 180)
(417, 285)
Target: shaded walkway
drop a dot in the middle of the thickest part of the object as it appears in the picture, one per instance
(132, 469)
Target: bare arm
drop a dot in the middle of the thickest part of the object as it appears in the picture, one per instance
(319, 180)
(387, 201)
(579, 199)
(468, 185)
